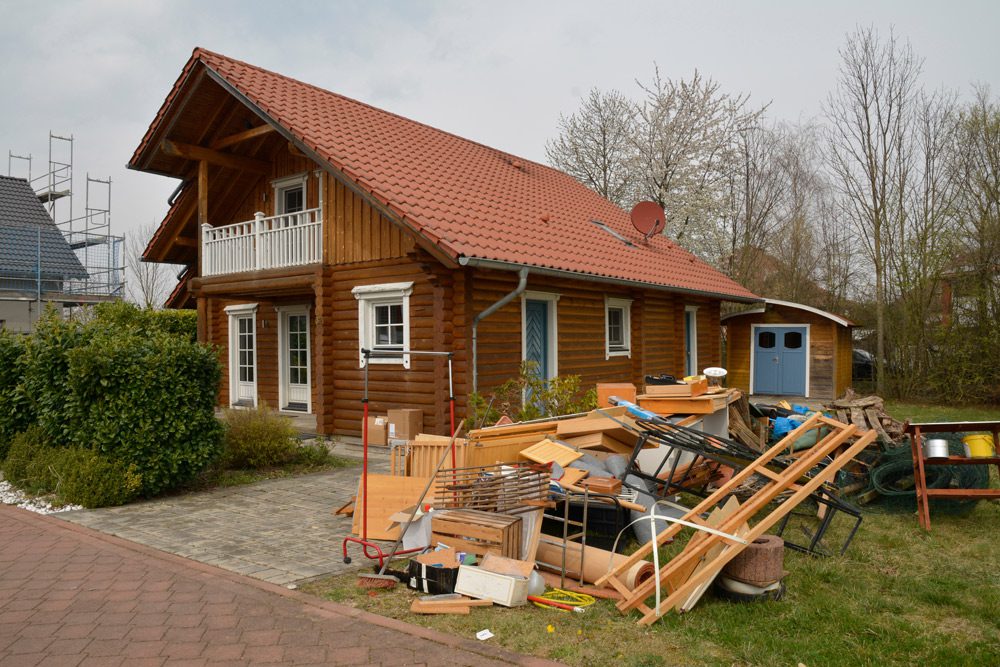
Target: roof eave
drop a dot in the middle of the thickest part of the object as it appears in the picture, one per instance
(580, 275)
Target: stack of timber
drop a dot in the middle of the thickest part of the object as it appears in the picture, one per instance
(744, 428)
(868, 412)
(718, 540)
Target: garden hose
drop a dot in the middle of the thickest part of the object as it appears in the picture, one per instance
(560, 600)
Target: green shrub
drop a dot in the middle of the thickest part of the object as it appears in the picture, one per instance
(27, 465)
(126, 316)
(76, 475)
(314, 454)
(45, 372)
(16, 414)
(258, 438)
(148, 400)
(528, 396)
(86, 478)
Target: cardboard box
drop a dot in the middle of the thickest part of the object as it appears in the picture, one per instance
(378, 430)
(405, 424)
(510, 591)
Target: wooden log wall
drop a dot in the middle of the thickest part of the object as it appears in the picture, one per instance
(657, 330)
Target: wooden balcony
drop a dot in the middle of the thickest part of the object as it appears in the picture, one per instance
(279, 241)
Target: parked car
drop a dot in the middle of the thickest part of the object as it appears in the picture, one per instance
(862, 365)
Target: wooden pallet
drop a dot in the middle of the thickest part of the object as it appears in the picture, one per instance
(708, 553)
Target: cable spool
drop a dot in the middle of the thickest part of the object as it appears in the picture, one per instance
(761, 564)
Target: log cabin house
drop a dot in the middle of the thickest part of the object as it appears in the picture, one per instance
(313, 225)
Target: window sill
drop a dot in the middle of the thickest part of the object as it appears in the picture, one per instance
(619, 353)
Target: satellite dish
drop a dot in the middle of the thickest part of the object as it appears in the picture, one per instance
(648, 218)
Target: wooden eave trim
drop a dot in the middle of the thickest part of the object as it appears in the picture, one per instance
(422, 240)
(239, 137)
(218, 158)
(170, 113)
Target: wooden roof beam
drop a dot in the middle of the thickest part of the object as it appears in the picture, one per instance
(203, 154)
(239, 137)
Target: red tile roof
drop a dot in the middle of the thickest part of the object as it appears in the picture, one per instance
(471, 200)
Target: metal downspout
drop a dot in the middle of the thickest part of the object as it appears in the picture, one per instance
(521, 284)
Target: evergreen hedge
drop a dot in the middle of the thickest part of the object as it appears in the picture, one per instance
(131, 386)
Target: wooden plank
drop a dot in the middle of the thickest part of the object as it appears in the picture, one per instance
(572, 476)
(875, 420)
(387, 495)
(858, 419)
(547, 451)
(203, 154)
(508, 566)
(437, 607)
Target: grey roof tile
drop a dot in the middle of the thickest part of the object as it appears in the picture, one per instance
(26, 229)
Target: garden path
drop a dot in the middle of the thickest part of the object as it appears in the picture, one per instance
(279, 530)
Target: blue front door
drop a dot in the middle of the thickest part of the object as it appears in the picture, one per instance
(536, 335)
(779, 360)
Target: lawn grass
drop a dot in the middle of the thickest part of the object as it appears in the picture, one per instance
(215, 478)
(917, 412)
(898, 596)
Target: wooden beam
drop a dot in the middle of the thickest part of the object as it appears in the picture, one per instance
(228, 160)
(239, 137)
(294, 150)
(202, 204)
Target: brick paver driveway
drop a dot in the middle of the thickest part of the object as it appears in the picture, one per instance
(279, 530)
(71, 596)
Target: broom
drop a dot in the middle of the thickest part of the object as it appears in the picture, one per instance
(381, 579)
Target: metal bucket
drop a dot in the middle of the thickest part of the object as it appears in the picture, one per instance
(935, 448)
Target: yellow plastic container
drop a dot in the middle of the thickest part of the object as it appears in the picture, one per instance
(979, 444)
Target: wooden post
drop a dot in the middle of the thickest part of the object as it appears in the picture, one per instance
(258, 233)
(202, 206)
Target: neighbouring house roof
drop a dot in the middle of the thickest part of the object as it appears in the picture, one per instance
(474, 203)
(29, 240)
(842, 321)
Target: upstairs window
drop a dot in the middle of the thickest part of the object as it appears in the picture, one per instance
(617, 329)
(290, 194)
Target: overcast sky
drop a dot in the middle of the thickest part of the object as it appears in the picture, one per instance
(496, 72)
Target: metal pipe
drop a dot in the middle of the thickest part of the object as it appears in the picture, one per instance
(522, 283)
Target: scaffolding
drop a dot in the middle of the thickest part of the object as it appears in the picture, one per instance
(89, 235)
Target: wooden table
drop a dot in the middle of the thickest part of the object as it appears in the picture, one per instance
(920, 464)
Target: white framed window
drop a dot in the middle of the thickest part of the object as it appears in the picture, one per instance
(617, 327)
(384, 321)
(290, 194)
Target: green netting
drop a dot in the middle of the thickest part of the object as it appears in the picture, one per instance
(891, 476)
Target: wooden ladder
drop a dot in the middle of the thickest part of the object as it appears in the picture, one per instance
(706, 554)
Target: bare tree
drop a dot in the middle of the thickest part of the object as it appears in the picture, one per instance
(977, 170)
(687, 142)
(147, 283)
(869, 117)
(754, 189)
(595, 145)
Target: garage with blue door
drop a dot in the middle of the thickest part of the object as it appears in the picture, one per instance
(782, 348)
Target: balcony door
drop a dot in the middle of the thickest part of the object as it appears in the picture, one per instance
(294, 370)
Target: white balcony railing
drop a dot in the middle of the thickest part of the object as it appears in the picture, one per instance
(291, 239)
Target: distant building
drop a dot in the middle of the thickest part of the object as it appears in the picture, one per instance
(37, 264)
